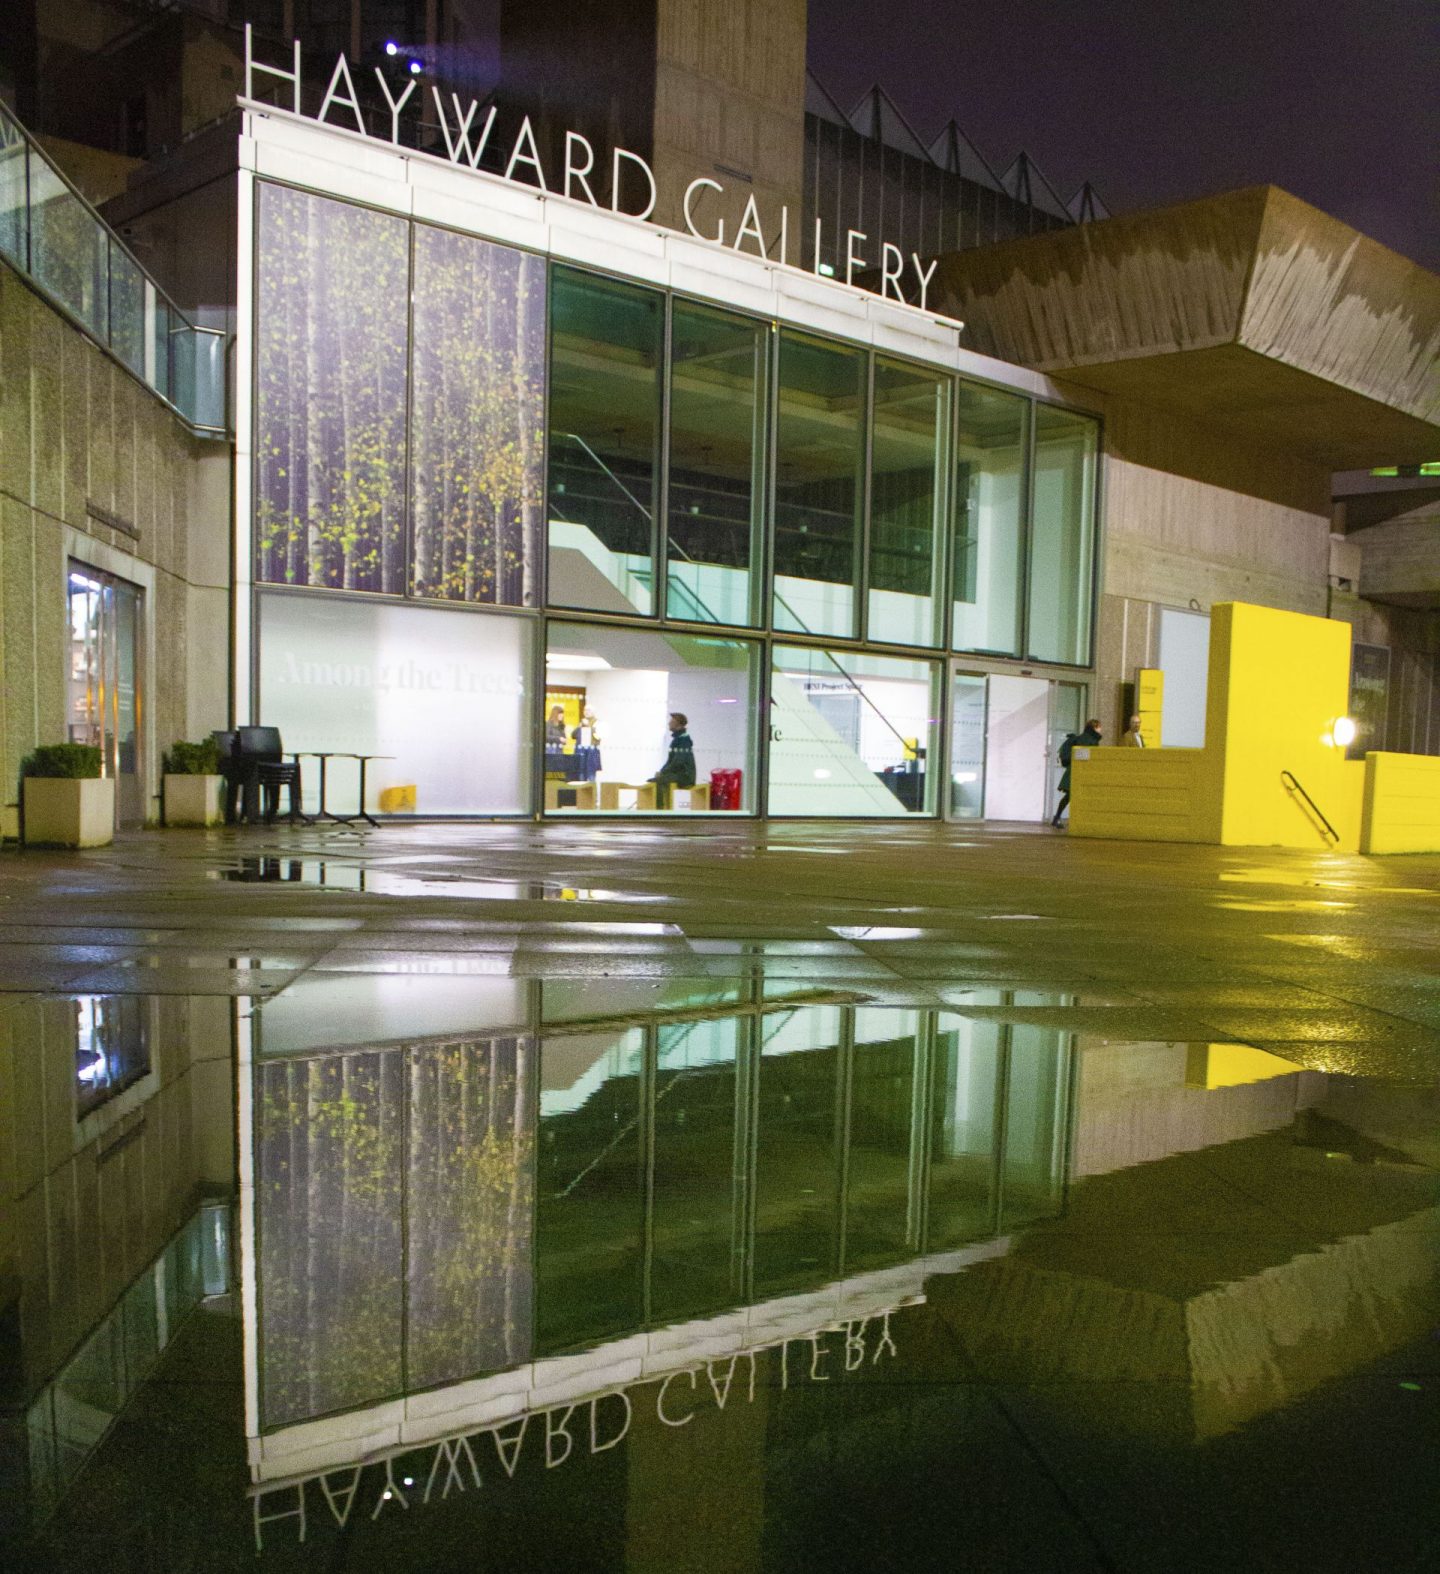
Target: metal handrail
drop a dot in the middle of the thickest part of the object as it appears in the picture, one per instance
(15, 138)
(1292, 784)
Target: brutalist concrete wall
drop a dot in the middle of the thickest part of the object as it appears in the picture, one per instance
(94, 467)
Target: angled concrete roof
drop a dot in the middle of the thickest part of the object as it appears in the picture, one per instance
(1251, 308)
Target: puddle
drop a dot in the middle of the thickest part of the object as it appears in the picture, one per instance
(527, 1264)
(378, 878)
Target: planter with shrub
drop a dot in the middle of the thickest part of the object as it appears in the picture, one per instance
(66, 801)
(194, 788)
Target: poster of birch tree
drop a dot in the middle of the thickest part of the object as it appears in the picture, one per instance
(330, 393)
(478, 420)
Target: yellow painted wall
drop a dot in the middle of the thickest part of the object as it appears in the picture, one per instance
(1277, 682)
(1402, 804)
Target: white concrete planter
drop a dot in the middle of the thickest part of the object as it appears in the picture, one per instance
(69, 812)
(194, 800)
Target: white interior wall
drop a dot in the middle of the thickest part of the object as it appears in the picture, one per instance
(1185, 661)
(1017, 747)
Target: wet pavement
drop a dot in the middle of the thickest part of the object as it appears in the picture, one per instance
(750, 1198)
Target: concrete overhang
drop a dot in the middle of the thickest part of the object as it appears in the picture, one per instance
(1251, 309)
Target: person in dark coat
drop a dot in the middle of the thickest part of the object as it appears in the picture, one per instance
(679, 767)
(1085, 740)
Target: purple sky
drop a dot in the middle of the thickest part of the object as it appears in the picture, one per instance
(1338, 101)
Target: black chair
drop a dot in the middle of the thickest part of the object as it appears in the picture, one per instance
(262, 756)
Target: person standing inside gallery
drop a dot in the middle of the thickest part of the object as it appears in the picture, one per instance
(1134, 737)
(587, 748)
(679, 767)
(1085, 740)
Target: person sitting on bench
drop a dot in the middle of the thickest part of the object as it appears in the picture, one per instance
(679, 767)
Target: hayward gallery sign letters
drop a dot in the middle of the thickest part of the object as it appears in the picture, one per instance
(467, 138)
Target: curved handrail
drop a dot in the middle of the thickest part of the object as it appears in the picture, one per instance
(1292, 784)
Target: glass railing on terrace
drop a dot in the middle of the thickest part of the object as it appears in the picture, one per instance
(57, 240)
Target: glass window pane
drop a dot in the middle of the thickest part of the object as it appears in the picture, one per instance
(328, 1184)
(717, 365)
(797, 1168)
(851, 734)
(904, 469)
(878, 1210)
(612, 698)
(694, 1264)
(1062, 535)
(606, 344)
(470, 1157)
(112, 1047)
(444, 693)
(14, 196)
(161, 342)
(819, 474)
(1036, 1135)
(127, 310)
(589, 1220)
(962, 1131)
(477, 470)
(330, 393)
(69, 248)
(967, 746)
(989, 540)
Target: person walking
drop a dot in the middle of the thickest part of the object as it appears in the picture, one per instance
(1086, 739)
(1134, 738)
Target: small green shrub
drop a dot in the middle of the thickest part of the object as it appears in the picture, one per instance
(68, 761)
(193, 759)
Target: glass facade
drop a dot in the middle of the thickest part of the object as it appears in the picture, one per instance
(838, 516)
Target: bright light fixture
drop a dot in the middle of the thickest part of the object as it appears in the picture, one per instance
(564, 661)
(392, 48)
(967, 776)
(822, 776)
(1343, 732)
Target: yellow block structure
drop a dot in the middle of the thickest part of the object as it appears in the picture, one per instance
(1278, 682)
(1402, 804)
(1150, 704)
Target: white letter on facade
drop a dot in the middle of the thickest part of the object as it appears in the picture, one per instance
(750, 225)
(347, 99)
(852, 259)
(252, 65)
(644, 169)
(396, 104)
(925, 276)
(450, 1453)
(579, 172)
(660, 1399)
(784, 236)
(816, 1357)
(889, 275)
(532, 158)
(884, 1340)
(718, 238)
(816, 263)
(461, 144)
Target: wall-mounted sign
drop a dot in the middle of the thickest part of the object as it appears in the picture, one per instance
(1369, 686)
(466, 133)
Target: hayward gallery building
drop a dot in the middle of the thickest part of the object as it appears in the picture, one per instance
(455, 457)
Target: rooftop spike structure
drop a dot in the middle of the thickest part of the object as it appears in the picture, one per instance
(1025, 182)
(952, 150)
(876, 116)
(1085, 207)
(819, 103)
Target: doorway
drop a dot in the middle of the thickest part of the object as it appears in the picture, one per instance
(104, 704)
(1005, 734)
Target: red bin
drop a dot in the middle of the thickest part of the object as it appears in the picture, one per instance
(725, 788)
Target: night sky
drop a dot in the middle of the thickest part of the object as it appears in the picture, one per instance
(1338, 101)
